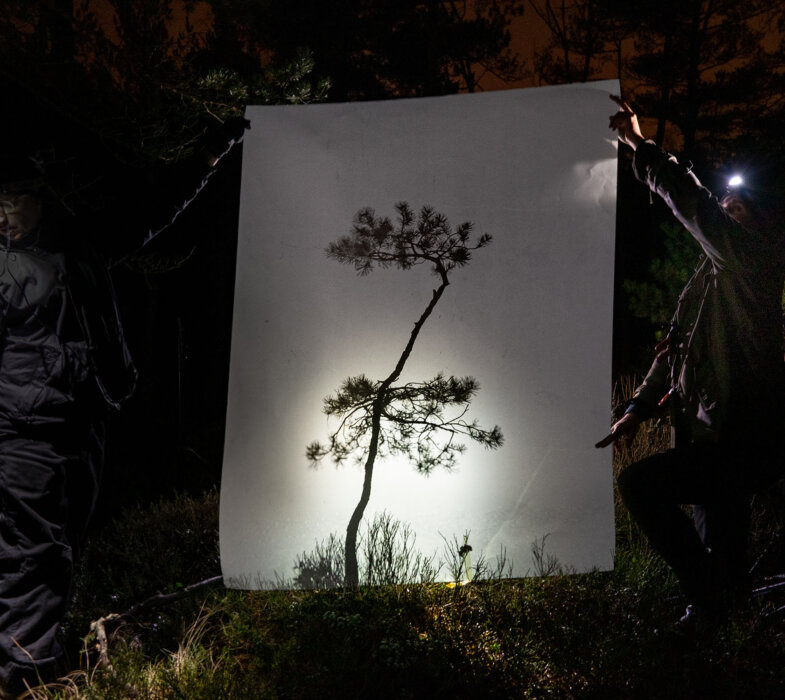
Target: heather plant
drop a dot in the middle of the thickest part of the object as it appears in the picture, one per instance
(387, 556)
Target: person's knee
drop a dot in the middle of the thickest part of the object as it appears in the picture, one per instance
(638, 487)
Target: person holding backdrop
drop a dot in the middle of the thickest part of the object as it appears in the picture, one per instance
(720, 375)
(63, 361)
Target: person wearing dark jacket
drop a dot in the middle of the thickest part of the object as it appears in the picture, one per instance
(63, 361)
(720, 375)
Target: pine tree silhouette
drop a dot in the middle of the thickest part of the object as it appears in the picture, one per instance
(422, 421)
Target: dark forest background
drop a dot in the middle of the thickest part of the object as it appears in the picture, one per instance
(114, 93)
(108, 92)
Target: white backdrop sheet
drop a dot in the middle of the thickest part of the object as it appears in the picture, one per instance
(530, 318)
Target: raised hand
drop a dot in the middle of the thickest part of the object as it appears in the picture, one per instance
(625, 123)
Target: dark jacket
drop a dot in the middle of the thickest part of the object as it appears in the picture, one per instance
(724, 368)
(62, 346)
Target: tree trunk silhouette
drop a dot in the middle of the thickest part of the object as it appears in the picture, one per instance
(352, 573)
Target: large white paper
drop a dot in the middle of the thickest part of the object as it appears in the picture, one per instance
(530, 318)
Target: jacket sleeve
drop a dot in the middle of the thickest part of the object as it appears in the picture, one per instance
(645, 401)
(143, 205)
(723, 240)
(150, 201)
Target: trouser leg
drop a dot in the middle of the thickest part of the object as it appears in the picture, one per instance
(46, 495)
(724, 527)
(82, 484)
(652, 493)
(653, 490)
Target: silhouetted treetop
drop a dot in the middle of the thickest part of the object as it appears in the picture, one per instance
(375, 49)
(428, 238)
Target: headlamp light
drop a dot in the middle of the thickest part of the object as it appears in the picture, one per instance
(736, 186)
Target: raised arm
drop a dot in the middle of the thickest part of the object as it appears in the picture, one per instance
(150, 202)
(723, 239)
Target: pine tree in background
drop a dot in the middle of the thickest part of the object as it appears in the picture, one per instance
(655, 299)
